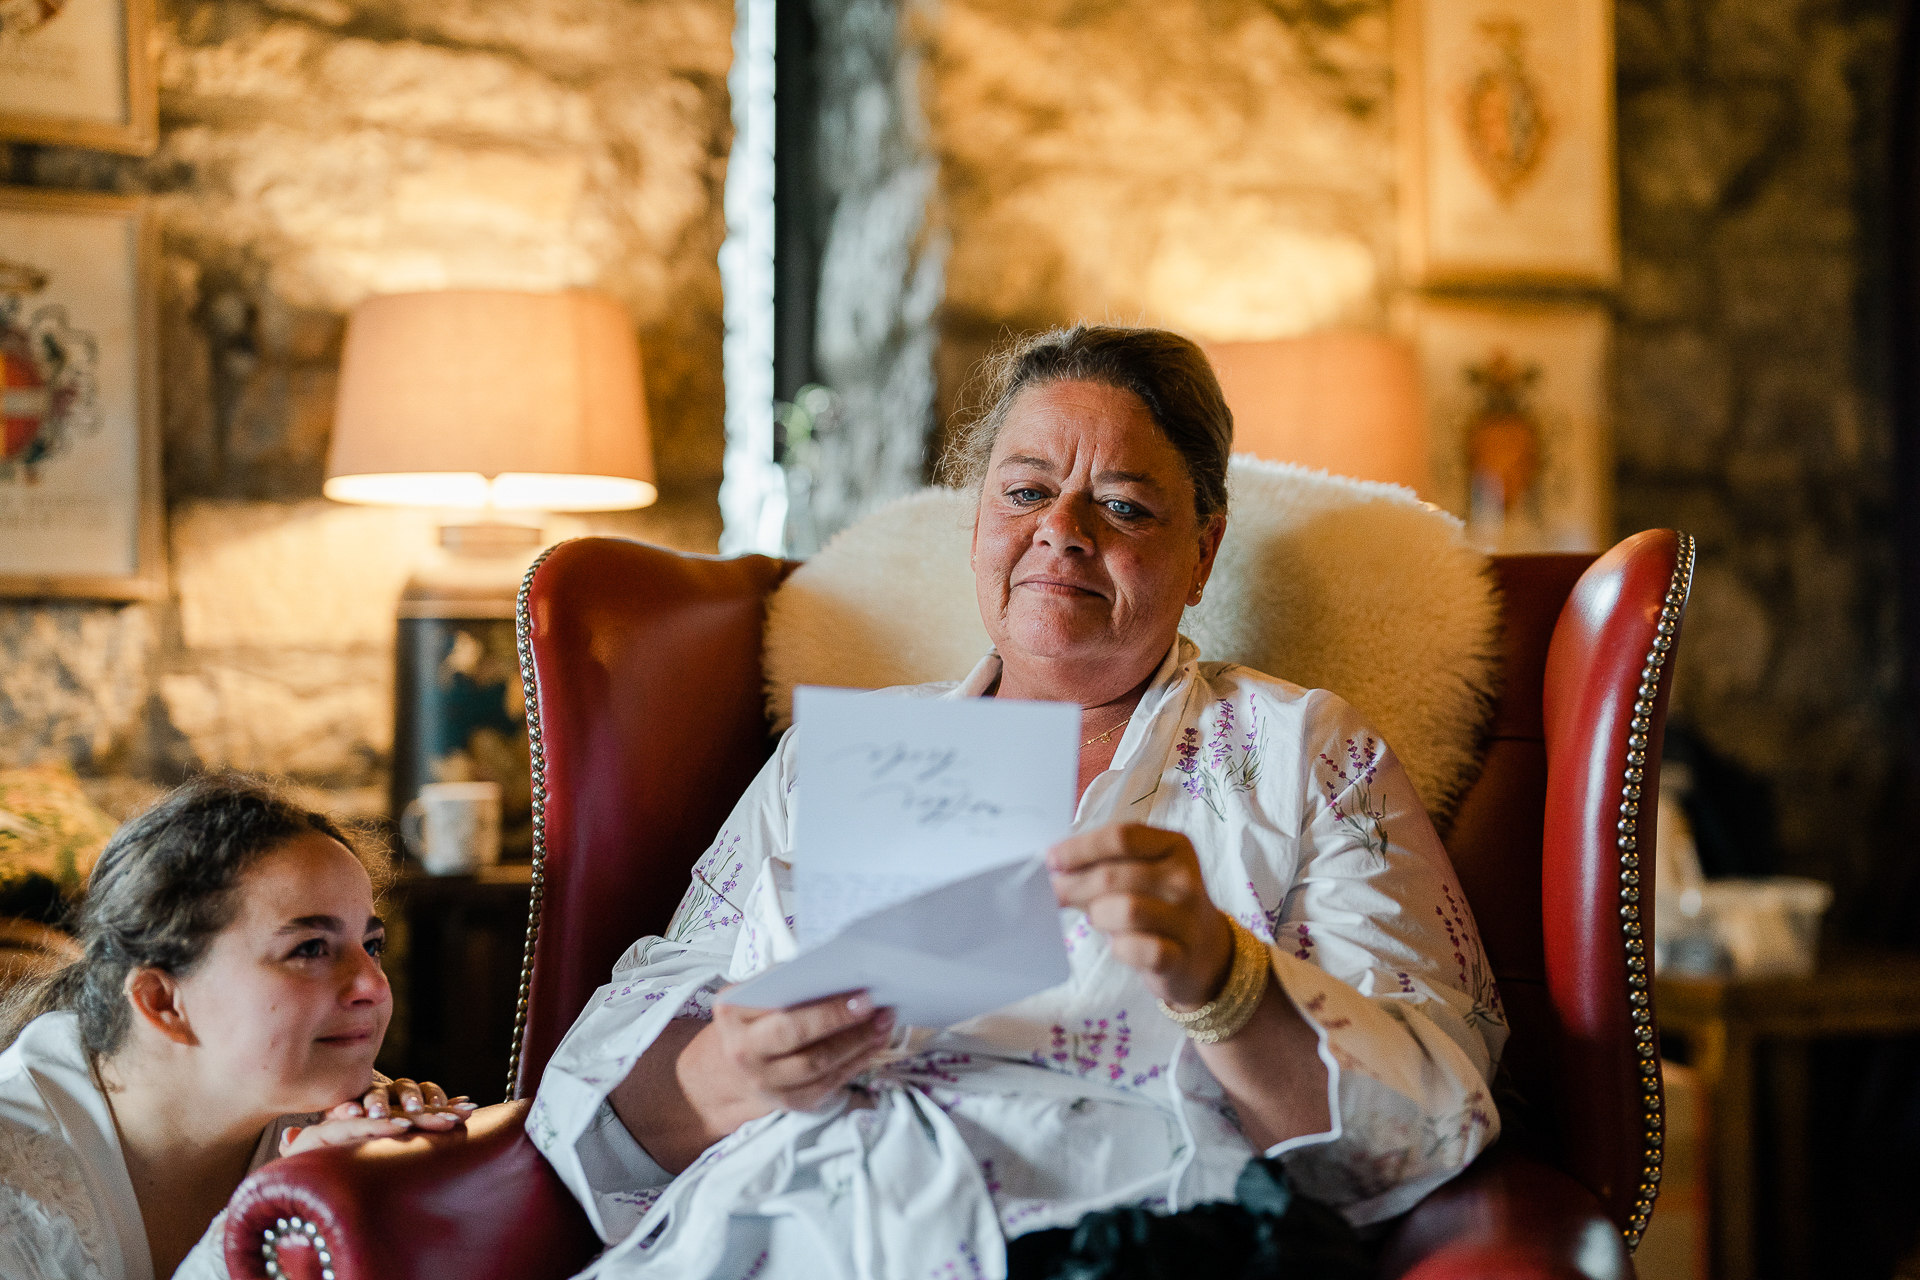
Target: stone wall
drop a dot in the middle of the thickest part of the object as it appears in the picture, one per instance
(314, 152)
(1222, 167)
(1750, 403)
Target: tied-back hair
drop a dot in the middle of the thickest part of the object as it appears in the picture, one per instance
(1169, 374)
(164, 886)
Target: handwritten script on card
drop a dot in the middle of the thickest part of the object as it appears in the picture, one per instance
(930, 786)
(921, 821)
(900, 794)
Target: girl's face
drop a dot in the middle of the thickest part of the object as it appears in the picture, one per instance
(289, 1003)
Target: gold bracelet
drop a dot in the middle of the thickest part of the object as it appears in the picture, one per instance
(1223, 1016)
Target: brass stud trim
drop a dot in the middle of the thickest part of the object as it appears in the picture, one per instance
(281, 1233)
(1653, 1118)
(537, 749)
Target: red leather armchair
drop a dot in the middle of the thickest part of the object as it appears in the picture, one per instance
(647, 722)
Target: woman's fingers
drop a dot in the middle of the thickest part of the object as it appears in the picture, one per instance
(1117, 841)
(1142, 888)
(432, 1094)
(1167, 881)
(1125, 858)
(801, 1081)
(796, 1057)
(774, 1033)
(1123, 913)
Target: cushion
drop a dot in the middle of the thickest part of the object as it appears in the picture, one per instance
(1331, 583)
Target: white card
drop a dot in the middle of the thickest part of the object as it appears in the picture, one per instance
(917, 872)
(899, 795)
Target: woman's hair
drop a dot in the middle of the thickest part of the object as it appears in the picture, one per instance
(165, 884)
(1167, 372)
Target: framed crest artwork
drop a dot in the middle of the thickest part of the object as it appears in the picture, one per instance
(1506, 142)
(1519, 438)
(78, 73)
(80, 506)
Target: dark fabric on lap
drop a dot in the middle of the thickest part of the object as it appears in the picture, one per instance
(1271, 1230)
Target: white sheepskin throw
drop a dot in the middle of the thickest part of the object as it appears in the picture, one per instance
(1328, 582)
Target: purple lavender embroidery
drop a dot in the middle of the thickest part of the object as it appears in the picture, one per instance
(1349, 788)
(1211, 777)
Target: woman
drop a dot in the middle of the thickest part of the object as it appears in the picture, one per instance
(230, 989)
(1269, 950)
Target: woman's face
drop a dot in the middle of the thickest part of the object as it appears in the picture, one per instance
(1086, 547)
(289, 1003)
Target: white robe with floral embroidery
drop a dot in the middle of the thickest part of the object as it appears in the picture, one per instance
(67, 1205)
(1083, 1097)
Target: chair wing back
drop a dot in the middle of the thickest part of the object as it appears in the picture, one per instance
(642, 673)
(1608, 674)
(1496, 833)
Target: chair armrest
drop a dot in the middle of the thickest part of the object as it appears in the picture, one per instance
(1509, 1217)
(483, 1204)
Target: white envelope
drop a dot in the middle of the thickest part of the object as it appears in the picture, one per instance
(944, 956)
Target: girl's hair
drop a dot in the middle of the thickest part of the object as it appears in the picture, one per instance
(165, 884)
(1167, 372)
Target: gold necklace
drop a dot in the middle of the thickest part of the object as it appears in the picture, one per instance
(1102, 737)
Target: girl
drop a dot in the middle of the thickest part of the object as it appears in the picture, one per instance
(229, 994)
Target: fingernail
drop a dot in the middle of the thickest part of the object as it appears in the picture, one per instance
(466, 1106)
(402, 1121)
(355, 1109)
(462, 1098)
(883, 1023)
(413, 1104)
(860, 1004)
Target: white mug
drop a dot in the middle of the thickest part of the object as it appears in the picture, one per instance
(454, 827)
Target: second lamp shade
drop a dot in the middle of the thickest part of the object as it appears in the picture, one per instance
(1343, 399)
(474, 398)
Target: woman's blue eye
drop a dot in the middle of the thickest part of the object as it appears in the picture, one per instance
(376, 947)
(1025, 495)
(311, 949)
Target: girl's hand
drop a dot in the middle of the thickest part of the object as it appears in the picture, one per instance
(384, 1111)
(1142, 888)
(425, 1103)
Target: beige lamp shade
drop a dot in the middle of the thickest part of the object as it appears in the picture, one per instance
(1343, 399)
(528, 401)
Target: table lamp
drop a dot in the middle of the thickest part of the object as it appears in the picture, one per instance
(482, 403)
(1347, 400)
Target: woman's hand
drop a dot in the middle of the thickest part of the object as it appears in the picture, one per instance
(384, 1111)
(702, 1080)
(786, 1059)
(1142, 887)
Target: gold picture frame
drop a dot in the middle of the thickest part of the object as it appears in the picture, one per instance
(1506, 142)
(1520, 440)
(81, 511)
(89, 59)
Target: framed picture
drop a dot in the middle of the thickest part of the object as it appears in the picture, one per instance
(1506, 141)
(80, 506)
(1518, 431)
(78, 73)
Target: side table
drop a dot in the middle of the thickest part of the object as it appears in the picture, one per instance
(458, 973)
(1725, 1023)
